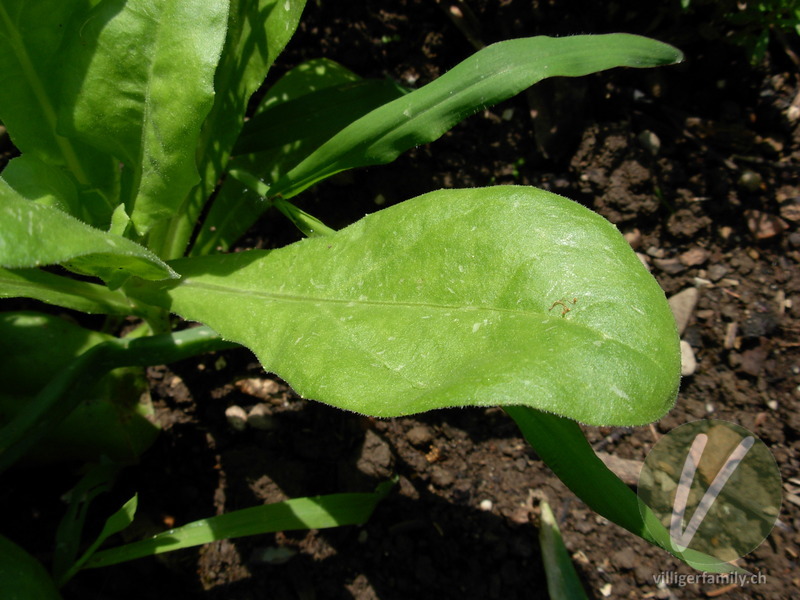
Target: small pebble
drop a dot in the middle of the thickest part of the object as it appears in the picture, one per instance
(717, 272)
(688, 361)
(730, 336)
(773, 404)
(634, 238)
(257, 387)
(237, 417)
(649, 141)
(764, 225)
(694, 257)
(259, 417)
(791, 210)
(750, 181)
(682, 305)
(671, 266)
(486, 505)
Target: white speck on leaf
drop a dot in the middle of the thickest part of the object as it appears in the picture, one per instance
(620, 393)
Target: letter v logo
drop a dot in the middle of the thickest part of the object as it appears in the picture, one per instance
(681, 538)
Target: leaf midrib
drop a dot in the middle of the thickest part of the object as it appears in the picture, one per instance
(301, 299)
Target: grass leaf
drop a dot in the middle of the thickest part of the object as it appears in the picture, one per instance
(493, 74)
(316, 512)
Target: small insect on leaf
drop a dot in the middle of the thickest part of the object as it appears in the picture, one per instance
(564, 308)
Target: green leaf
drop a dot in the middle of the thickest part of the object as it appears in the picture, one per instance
(97, 480)
(35, 234)
(67, 292)
(40, 182)
(317, 512)
(114, 416)
(311, 76)
(458, 297)
(23, 577)
(114, 524)
(138, 85)
(66, 389)
(280, 137)
(563, 582)
(291, 114)
(493, 74)
(257, 32)
(32, 36)
(560, 443)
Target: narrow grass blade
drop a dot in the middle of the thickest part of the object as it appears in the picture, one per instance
(97, 480)
(316, 512)
(67, 293)
(280, 137)
(493, 74)
(114, 524)
(560, 443)
(562, 579)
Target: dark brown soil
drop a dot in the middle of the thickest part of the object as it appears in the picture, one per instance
(698, 163)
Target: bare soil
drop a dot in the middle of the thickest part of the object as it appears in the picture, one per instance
(697, 163)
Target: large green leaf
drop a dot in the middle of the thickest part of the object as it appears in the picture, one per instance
(296, 123)
(113, 417)
(41, 182)
(23, 577)
(66, 388)
(32, 36)
(35, 234)
(257, 32)
(138, 85)
(450, 299)
(493, 74)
